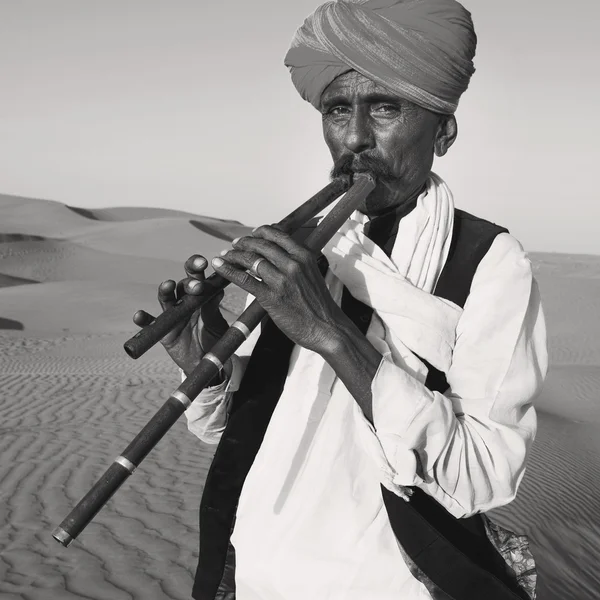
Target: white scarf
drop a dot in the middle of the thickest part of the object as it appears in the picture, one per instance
(400, 289)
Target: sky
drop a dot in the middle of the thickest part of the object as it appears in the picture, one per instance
(181, 104)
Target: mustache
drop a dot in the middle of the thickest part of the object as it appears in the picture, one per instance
(349, 164)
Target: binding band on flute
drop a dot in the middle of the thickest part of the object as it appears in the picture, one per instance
(212, 362)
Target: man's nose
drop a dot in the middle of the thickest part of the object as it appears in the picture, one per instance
(359, 135)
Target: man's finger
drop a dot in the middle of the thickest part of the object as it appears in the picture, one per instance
(267, 232)
(192, 286)
(142, 318)
(166, 294)
(238, 276)
(180, 289)
(195, 266)
(246, 260)
(274, 253)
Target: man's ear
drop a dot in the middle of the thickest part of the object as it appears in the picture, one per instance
(446, 134)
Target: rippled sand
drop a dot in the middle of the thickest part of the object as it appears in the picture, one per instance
(68, 407)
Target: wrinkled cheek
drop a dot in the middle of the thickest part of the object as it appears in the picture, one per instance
(336, 149)
(334, 136)
(399, 164)
(413, 162)
(331, 139)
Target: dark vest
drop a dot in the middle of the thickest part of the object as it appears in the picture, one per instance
(452, 557)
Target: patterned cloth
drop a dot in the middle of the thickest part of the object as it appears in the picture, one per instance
(422, 50)
(515, 551)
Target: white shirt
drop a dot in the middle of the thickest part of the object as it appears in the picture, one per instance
(311, 521)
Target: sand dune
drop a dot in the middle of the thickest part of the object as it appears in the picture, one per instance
(93, 272)
(9, 281)
(137, 213)
(70, 401)
(167, 237)
(63, 260)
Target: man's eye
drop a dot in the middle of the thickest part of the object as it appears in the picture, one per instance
(386, 109)
(338, 111)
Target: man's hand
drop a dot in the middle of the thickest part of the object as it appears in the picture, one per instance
(190, 340)
(291, 288)
(293, 292)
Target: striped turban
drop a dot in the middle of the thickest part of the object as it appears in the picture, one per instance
(421, 50)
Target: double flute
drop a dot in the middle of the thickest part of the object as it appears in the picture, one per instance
(212, 362)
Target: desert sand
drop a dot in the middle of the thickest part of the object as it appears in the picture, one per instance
(71, 400)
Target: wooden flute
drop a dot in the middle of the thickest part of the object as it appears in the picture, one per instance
(208, 367)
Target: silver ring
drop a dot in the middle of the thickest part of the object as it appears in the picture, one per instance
(254, 268)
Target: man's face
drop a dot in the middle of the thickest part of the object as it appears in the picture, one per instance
(368, 128)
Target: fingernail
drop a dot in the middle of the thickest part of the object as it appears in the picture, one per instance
(223, 252)
(217, 262)
(199, 263)
(255, 229)
(234, 242)
(194, 285)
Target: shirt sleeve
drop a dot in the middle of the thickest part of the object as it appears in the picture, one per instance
(208, 414)
(468, 447)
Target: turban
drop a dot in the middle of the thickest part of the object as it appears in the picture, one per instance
(421, 50)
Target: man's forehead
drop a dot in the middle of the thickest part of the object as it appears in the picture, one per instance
(353, 83)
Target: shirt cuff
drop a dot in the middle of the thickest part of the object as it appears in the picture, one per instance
(394, 407)
(208, 414)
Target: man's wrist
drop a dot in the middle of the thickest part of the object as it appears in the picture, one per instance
(355, 361)
(344, 339)
(337, 339)
(347, 349)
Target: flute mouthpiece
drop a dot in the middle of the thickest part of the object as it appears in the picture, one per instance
(363, 175)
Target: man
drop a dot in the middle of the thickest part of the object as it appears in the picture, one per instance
(392, 403)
